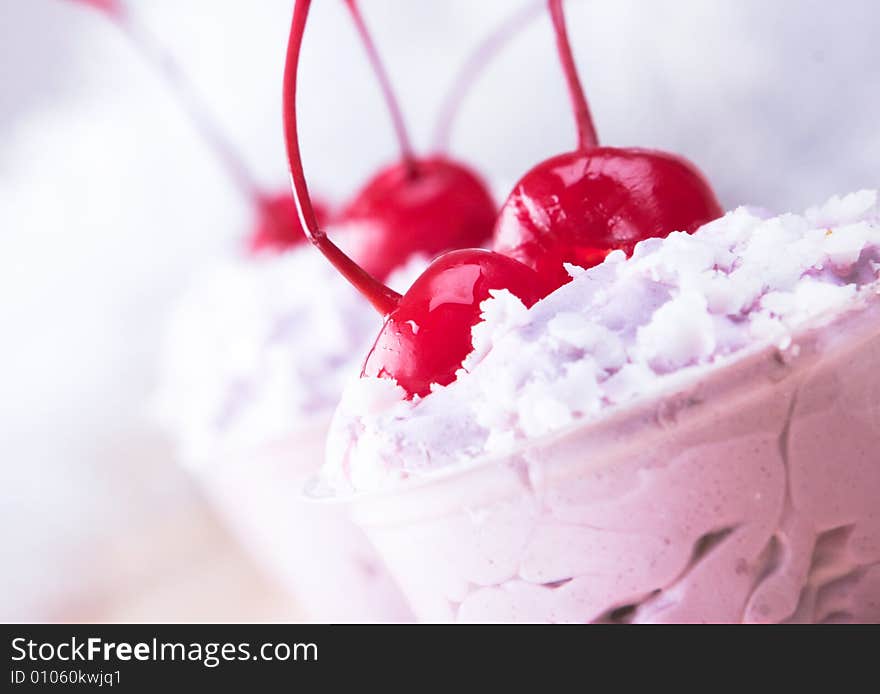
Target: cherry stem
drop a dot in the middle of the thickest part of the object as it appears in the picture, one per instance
(473, 65)
(587, 137)
(391, 101)
(384, 299)
(156, 55)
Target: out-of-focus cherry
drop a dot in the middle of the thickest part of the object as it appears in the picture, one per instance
(446, 205)
(578, 207)
(443, 205)
(417, 205)
(277, 226)
(427, 331)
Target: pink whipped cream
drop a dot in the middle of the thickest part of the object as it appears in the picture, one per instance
(254, 354)
(691, 435)
(624, 330)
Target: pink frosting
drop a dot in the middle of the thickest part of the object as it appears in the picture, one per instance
(746, 493)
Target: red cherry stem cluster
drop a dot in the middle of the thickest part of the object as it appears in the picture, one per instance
(384, 299)
(587, 137)
(406, 150)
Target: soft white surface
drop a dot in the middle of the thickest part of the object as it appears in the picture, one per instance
(616, 332)
(261, 346)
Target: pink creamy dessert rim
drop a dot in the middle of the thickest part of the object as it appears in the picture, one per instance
(746, 496)
(648, 417)
(832, 268)
(635, 424)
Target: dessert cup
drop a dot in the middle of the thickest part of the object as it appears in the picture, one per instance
(312, 549)
(252, 367)
(743, 492)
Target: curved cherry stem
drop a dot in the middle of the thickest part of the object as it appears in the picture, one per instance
(406, 150)
(155, 54)
(473, 65)
(384, 299)
(587, 137)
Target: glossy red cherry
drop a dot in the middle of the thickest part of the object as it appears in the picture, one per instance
(276, 226)
(427, 331)
(442, 205)
(445, 204)
(428, 335)
(578, 207)
(416, 205)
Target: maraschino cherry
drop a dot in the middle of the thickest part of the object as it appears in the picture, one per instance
(276, 225)
(418, 204)
(426, 334)
(578, 207)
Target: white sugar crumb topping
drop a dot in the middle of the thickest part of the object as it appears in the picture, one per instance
(613, 334)
(261, 347)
